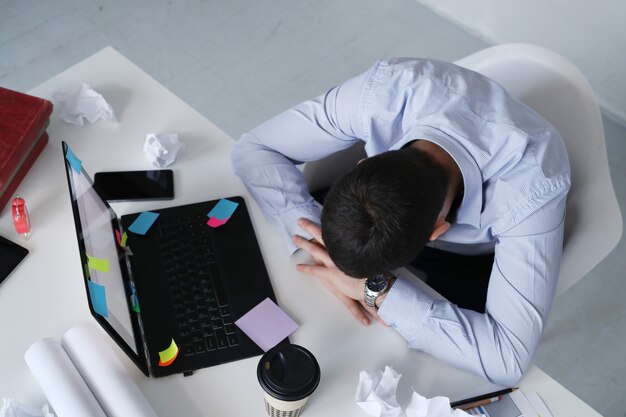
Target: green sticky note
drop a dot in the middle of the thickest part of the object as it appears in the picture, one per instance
(98, 264)
(167, 356)
(134, 301)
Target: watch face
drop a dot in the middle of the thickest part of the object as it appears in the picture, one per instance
(377, 283)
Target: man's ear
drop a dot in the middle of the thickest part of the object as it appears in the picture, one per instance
(441, 227)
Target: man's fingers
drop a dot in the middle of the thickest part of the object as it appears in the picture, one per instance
(316, 251)
(355, 308)
(327, 273)
(319, 271)
(312, 228)
(374, 313)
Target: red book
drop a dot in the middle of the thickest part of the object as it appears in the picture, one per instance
(23, 120)
(7, 194)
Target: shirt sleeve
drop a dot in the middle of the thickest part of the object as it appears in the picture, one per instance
(265, 158)
(499, 344)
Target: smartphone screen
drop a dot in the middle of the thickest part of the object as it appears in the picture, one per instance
(11, 254)
(135, 185)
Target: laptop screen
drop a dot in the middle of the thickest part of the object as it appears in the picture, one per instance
(112, 299)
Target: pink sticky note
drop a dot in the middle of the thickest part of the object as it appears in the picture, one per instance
(215, 222)
(266, 324)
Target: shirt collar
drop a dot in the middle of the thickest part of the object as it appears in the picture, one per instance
(471, 205)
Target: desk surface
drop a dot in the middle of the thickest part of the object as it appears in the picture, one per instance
(45, 295)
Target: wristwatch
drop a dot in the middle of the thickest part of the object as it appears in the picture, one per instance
(375, 286)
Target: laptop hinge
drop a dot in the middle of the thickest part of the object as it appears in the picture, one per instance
(144, 342)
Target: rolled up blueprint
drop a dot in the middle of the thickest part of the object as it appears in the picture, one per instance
(81, 376)
(115, 390)
(60, 381)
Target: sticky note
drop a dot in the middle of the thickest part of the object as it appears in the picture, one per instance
(135, 304)
(266, 324)
(134, 301)
(167, 356)
(97, 295)
(73, 160)
(143, 222)
(223, 209)
(214, 222)
(121, 239)
(98, 264)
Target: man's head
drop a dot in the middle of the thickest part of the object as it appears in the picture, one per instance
(382, 213)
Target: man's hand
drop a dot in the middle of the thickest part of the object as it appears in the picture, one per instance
(349, 290)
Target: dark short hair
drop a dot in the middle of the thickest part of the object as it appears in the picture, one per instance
(382, 213)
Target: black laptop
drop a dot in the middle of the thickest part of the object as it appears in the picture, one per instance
(182, 281)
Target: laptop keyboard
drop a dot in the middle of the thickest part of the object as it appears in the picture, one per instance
(203, 316)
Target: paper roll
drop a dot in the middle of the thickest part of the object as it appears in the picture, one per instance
(105, 375)
(60, 381)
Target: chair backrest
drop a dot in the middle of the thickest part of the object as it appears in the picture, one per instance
(557, 90)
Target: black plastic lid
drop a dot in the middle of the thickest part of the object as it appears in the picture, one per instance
(288, 372)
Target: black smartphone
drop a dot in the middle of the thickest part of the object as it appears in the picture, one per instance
(11, 254)
(135, 185)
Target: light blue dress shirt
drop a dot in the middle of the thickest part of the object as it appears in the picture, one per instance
(516, 176)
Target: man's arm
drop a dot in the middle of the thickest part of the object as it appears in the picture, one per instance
(500, 343)
(265, 157)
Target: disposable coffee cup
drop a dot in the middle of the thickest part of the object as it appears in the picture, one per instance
(288, 374)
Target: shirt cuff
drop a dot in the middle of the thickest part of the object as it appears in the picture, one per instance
(405, 307)
(289, 220)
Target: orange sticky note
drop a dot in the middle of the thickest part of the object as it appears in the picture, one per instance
(167, 356)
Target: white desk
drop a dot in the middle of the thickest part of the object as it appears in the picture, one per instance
(45, 296)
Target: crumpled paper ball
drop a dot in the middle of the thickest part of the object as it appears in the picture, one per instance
(162, 149)
(80, 102)
(376, 393)
(12, 408)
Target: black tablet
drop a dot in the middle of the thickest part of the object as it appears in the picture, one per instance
(11, 254)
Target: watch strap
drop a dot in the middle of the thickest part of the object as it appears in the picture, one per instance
(371, 296)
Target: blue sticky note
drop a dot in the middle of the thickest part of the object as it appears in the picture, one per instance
(143, 222)
(223, 209)
(97, 295)
(73, 160)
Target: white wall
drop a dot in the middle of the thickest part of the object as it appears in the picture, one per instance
(592, 34)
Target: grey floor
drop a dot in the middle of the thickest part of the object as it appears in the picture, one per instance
(239, 62)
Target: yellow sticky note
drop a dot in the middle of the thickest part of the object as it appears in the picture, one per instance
(98, 264)
(168, 355)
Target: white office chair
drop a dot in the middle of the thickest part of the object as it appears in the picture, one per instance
(556, 89)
